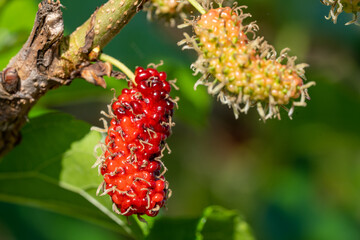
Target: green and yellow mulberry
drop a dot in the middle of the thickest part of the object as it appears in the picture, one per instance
(244, 72)
(168, 10)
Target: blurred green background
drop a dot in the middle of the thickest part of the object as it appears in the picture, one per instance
(291, 179)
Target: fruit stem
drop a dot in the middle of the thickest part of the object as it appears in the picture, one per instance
(197, 6)
(122, 67)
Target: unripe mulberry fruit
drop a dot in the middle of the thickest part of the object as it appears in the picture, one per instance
(168, 10)
(131, 162)
(243, 72)
(338, 6)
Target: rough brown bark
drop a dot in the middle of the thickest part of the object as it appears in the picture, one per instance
(49, 60)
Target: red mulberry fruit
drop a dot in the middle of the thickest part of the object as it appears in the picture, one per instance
(131, 164)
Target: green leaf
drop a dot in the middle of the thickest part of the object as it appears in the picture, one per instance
(219, 223)
(216, 223)
(51, 169)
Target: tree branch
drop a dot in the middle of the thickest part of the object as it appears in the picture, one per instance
(49, 60)
(104, 24)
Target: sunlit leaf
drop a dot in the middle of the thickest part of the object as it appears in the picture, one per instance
(219, 223)
(51, 169)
